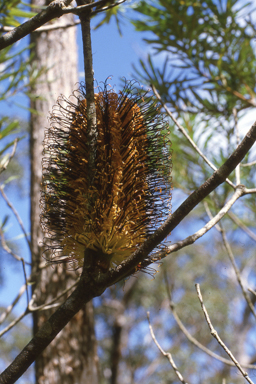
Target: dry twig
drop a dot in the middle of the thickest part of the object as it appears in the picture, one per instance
(5, 165)
(216, 336)
(16, 215)
(165, 354)
(238, 275)
(192, 339)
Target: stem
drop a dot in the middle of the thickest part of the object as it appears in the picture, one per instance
(89, 83)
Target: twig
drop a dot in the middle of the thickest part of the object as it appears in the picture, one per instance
(207, 209)
(191, 239)
(45, 27)
(216, 336)
(249, 191)
(12, 305)
(238, 276)
(166, 354)
(15, 214)
(252, 291)
(91, 133)
(248, 164)
(191, 338)
(5, 165)
(183, 131)
(30, 308)
(201, 346)
(11, 325)
(8, 250)
(241, 225)
(108, 7)
(26, 281)
(48, 305)
(238, 176)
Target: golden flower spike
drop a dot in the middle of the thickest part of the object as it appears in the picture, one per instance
(129, 195)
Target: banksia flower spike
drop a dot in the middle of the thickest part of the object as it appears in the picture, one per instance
(129, 194)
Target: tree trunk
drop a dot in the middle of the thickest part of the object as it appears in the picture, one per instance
(72, 356)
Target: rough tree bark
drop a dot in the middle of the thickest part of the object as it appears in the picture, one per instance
(72, 356)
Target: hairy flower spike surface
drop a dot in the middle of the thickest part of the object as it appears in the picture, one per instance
(129, 195)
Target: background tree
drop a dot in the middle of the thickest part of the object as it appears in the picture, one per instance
(211, 101)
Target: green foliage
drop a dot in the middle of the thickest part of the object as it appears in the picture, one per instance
(117, 13)
(12, 13)
(210, 54)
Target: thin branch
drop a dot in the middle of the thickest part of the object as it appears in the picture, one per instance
(25, 277)
(249, 191)
(207, 209)
(214, 220)
(238, 276)
(45, 27)
(216, 336)
(8, 250)
(15, 214)
(183, 131)
(91, 133)
(241, 225)
(48, 305)
(166, 354)
(201, 346)
(248, 164)
(238, 176)
(5, 165)
(10, 326)
(107, 7)
(252, 291)
(30, 308)
(12, 305)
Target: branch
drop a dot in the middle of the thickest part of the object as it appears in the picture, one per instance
(56, 8)
(191, 239)
(216, 336)
(166, 354)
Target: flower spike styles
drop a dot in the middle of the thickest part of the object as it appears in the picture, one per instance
(129, 194)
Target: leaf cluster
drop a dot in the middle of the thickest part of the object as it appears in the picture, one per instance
(209, 54)
(12, 12)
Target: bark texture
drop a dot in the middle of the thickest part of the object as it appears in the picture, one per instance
(72, 356)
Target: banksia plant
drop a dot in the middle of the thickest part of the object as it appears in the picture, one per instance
(128, 196)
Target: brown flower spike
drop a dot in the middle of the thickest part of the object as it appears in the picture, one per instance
(129, 195)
